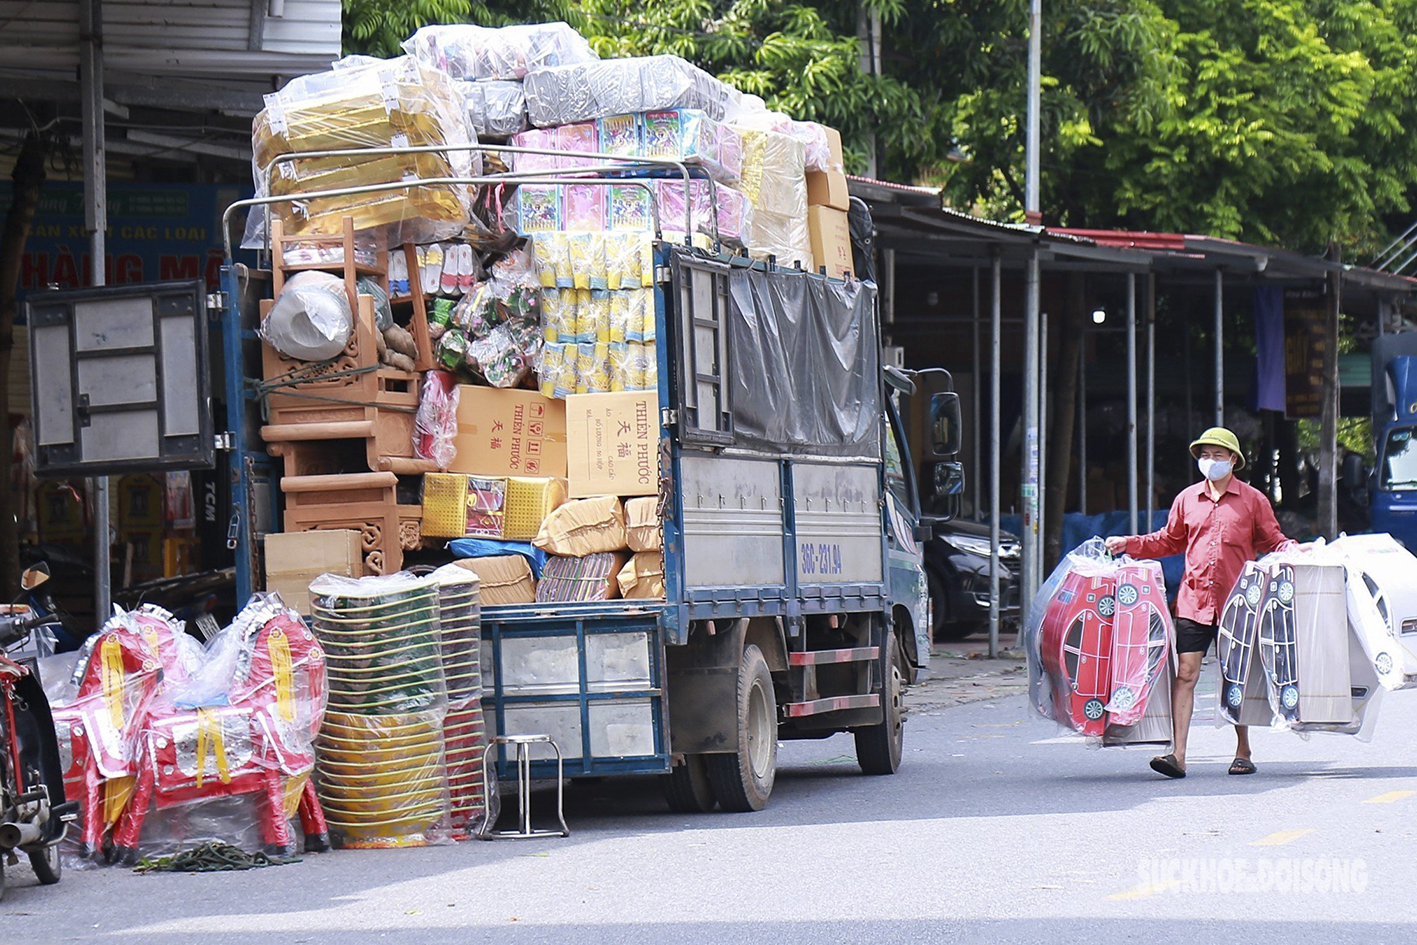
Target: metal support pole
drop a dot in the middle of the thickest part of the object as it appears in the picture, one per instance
(1150, 397)
(994, 449)
(1082, 426)
(1328, 421)
(96, 222)
(1031, 543)
(1219, 348)
(1032, 202)
(975, 435)
(1042, 441)
(1131, 403)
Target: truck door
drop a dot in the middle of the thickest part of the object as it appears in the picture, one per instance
(906, 579)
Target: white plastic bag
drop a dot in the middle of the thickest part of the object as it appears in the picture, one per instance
(311, 319)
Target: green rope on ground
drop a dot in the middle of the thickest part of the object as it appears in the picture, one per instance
(215, 856)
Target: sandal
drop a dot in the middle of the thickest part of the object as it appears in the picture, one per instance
(1242, 766)
(1168, 765)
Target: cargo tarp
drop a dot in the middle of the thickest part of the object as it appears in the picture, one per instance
(805, 363)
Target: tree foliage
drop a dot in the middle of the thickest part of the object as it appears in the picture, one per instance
(1279, 121)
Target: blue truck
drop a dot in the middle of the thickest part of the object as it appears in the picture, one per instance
(796, 602)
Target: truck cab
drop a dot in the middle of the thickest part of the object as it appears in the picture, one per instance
(1394, 493)
(934, 481)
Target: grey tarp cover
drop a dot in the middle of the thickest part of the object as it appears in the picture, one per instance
(805, 358)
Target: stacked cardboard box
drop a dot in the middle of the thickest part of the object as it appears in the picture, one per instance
(828, 201)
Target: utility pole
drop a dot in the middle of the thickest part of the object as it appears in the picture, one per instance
(96, 222)
(868, 33)
(1032, 504)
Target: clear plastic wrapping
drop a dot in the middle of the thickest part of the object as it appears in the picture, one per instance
(381, 772)
(1293, 649)
(494, 108)
(589, 577)
(774, 181)
(467, 51)
(1098, 637)
(212, 744)
(310, 320)
(436, 423)
(242, 727)
(367, 104)
(1382, 604)
(464, 729)
(561, 95)
(686, 135)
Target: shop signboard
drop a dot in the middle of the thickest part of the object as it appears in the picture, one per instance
(1305, 336)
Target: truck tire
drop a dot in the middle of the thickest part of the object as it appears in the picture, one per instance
(878, 748)
(46, 864)
(687, 787)
(743, 780)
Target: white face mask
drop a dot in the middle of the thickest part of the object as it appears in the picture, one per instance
(1214, 469)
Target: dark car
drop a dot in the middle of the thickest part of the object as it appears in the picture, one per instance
(957, 568)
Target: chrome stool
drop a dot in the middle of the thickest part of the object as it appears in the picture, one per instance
(523, 744)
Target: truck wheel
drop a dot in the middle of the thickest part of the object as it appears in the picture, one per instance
(743, 780)
(878, 748)
(687, 787)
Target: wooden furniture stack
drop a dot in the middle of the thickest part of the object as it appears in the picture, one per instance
(345, 427)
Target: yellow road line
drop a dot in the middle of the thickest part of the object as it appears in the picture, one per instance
(1280, 838)
(1389, 797)
(1144, 891)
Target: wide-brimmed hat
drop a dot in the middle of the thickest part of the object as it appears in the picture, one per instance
(1219, 436)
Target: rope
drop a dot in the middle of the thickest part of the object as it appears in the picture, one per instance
(306, 375)
(214, 856)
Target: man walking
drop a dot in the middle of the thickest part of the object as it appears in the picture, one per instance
(1220, 523)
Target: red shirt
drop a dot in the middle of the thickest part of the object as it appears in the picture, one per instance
(1218, 537)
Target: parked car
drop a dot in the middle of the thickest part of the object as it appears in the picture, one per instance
(957, 570)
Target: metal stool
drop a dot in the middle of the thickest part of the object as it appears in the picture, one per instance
(523, 743)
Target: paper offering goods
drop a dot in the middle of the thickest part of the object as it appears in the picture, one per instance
(467, 51)
(1382, 593)
(1302, 646)
(366, 103)
(1098, 638)
(562, 95)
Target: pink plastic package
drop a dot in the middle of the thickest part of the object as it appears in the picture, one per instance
(436, 423)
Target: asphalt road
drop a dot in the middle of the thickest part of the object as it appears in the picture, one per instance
(994, 830)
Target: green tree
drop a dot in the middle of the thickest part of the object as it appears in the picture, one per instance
(378, 27)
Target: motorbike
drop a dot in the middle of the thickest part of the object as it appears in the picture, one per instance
(34, 814)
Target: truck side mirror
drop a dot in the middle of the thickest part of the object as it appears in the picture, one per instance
(945, 425)
(949, 479)
(924, 532)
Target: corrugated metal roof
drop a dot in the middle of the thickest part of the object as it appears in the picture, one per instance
(175, 37)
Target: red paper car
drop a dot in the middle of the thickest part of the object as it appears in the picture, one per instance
(1076, 638)
(1141, 638)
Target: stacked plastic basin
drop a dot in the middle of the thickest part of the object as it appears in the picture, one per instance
(381, 773)
(464, 734)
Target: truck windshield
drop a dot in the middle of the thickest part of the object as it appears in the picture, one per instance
(1400, 460)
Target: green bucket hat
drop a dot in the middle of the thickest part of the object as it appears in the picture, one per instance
(1219, 436)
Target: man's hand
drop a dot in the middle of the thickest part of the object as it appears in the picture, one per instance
(1116, 544)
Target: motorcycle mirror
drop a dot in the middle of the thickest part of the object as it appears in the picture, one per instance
(34, 576)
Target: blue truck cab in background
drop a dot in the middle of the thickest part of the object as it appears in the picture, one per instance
(796, 602)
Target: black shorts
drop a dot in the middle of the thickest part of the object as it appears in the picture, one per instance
(1192, 637)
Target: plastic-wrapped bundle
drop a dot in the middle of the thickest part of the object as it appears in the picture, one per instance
(1382, 604)
(1291, 620)
(467, 51)
(436, 423)
(358, 104)
(1098, 637)
(242, 726)
(115, 678)
(464, 731)
(723, 205)
(495, 109)
(816, 144)
(310, 320)
(691, 136)
(381, 771)
(774, 181)
(564, 94)
(590, 577)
